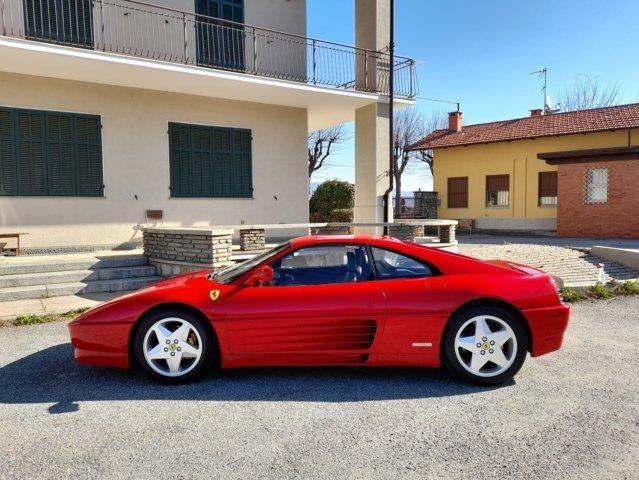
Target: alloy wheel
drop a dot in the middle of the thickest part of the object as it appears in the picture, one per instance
(485, 345)
(172, 347)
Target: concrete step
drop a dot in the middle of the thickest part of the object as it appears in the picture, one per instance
(73, 276)
(75, 288)
(70, 263)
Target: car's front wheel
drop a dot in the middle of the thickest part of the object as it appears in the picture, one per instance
(485, 345)
(173, 346)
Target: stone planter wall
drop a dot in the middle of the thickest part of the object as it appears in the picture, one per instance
(252, 239)
(447, 234)
(406, 232)
(179, 250)
(331, 230)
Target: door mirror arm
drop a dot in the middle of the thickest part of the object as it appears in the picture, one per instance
(261, 276)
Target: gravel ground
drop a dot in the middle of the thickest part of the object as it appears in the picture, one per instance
(571, 414)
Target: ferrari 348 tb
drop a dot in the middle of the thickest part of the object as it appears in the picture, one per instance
(335, 300)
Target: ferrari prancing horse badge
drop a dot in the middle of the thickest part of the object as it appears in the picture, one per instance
(214, 294)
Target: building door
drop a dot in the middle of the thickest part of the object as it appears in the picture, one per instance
(69, 22)
(220, 43)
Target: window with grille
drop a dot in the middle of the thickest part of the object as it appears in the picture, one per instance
(597, 185)
(458, 192)
(497, 190)
(210, 161)
(547, 189)
(46, 153)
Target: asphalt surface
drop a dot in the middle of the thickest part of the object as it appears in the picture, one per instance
(571, 414)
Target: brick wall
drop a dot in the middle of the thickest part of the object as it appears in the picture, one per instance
(618, 217)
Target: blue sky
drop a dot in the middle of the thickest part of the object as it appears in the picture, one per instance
(480, 53)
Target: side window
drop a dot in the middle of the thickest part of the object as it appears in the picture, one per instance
(324, 264)
(393, 265)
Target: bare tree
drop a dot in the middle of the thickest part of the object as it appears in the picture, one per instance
(588, 93)
(320, 143)
(410, 127)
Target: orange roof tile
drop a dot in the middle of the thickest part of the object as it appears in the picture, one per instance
(565, 123)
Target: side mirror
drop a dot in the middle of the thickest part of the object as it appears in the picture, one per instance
(262, 276)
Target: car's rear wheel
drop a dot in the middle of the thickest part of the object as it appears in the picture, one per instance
(485, 345)
(173, 346)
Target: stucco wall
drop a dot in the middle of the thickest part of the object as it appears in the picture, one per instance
(519, 160)
(136, 163)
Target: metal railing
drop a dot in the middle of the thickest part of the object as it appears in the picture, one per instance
(144, 30)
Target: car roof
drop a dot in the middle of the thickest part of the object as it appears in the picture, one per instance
(359, 238)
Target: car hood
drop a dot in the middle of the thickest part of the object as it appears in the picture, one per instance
(170, 289)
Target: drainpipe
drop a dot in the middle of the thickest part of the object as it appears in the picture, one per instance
(391, 99)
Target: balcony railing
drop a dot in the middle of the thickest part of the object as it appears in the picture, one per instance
(149, 31)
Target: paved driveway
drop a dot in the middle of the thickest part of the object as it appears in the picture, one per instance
(575, 268)
(572, 414)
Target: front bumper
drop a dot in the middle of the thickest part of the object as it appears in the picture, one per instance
(547, 328)
(103, 344)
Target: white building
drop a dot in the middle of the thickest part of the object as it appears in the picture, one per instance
(196, 108)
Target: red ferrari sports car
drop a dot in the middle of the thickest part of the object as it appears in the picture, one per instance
(338, 300)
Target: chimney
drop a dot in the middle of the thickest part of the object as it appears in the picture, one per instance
(455, 121)
(536, 112)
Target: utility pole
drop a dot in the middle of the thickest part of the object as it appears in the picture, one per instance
(391, 100)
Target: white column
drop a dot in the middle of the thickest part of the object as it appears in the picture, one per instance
(371, 122)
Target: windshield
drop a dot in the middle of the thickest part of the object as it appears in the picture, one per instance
(228, 274)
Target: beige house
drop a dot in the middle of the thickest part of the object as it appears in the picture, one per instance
(118, 114)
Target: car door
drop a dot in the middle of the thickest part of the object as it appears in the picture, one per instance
(417, 303)
(322, 308)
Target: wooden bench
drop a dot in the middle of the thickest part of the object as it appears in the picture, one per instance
(11, 235)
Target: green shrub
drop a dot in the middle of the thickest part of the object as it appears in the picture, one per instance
(600, 291)
(571, 295)
(630, 287)
(332, 195)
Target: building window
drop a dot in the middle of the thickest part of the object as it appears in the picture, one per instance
(220, 43)
(458, 192)
(497, 190)
(547, 189)
(597, 185)
(50, 154)
(69, 22)
(210, 161)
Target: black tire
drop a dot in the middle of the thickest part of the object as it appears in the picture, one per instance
(208, 347)
(456, 322)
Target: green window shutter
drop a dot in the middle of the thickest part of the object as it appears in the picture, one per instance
(242, 175)
(202, 162)
(225, 164)
(210, 162)
(61, 162)
(7, 156)
(50, 153)
(30, 153)
(88, 150)
(180, 160)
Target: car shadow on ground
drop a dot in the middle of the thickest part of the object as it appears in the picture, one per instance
(51, 376)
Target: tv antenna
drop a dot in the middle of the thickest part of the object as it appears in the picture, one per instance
(543, 73)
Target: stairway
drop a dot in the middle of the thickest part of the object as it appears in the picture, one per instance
(51, 276)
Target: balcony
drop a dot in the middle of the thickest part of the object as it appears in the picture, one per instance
(160, 34)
